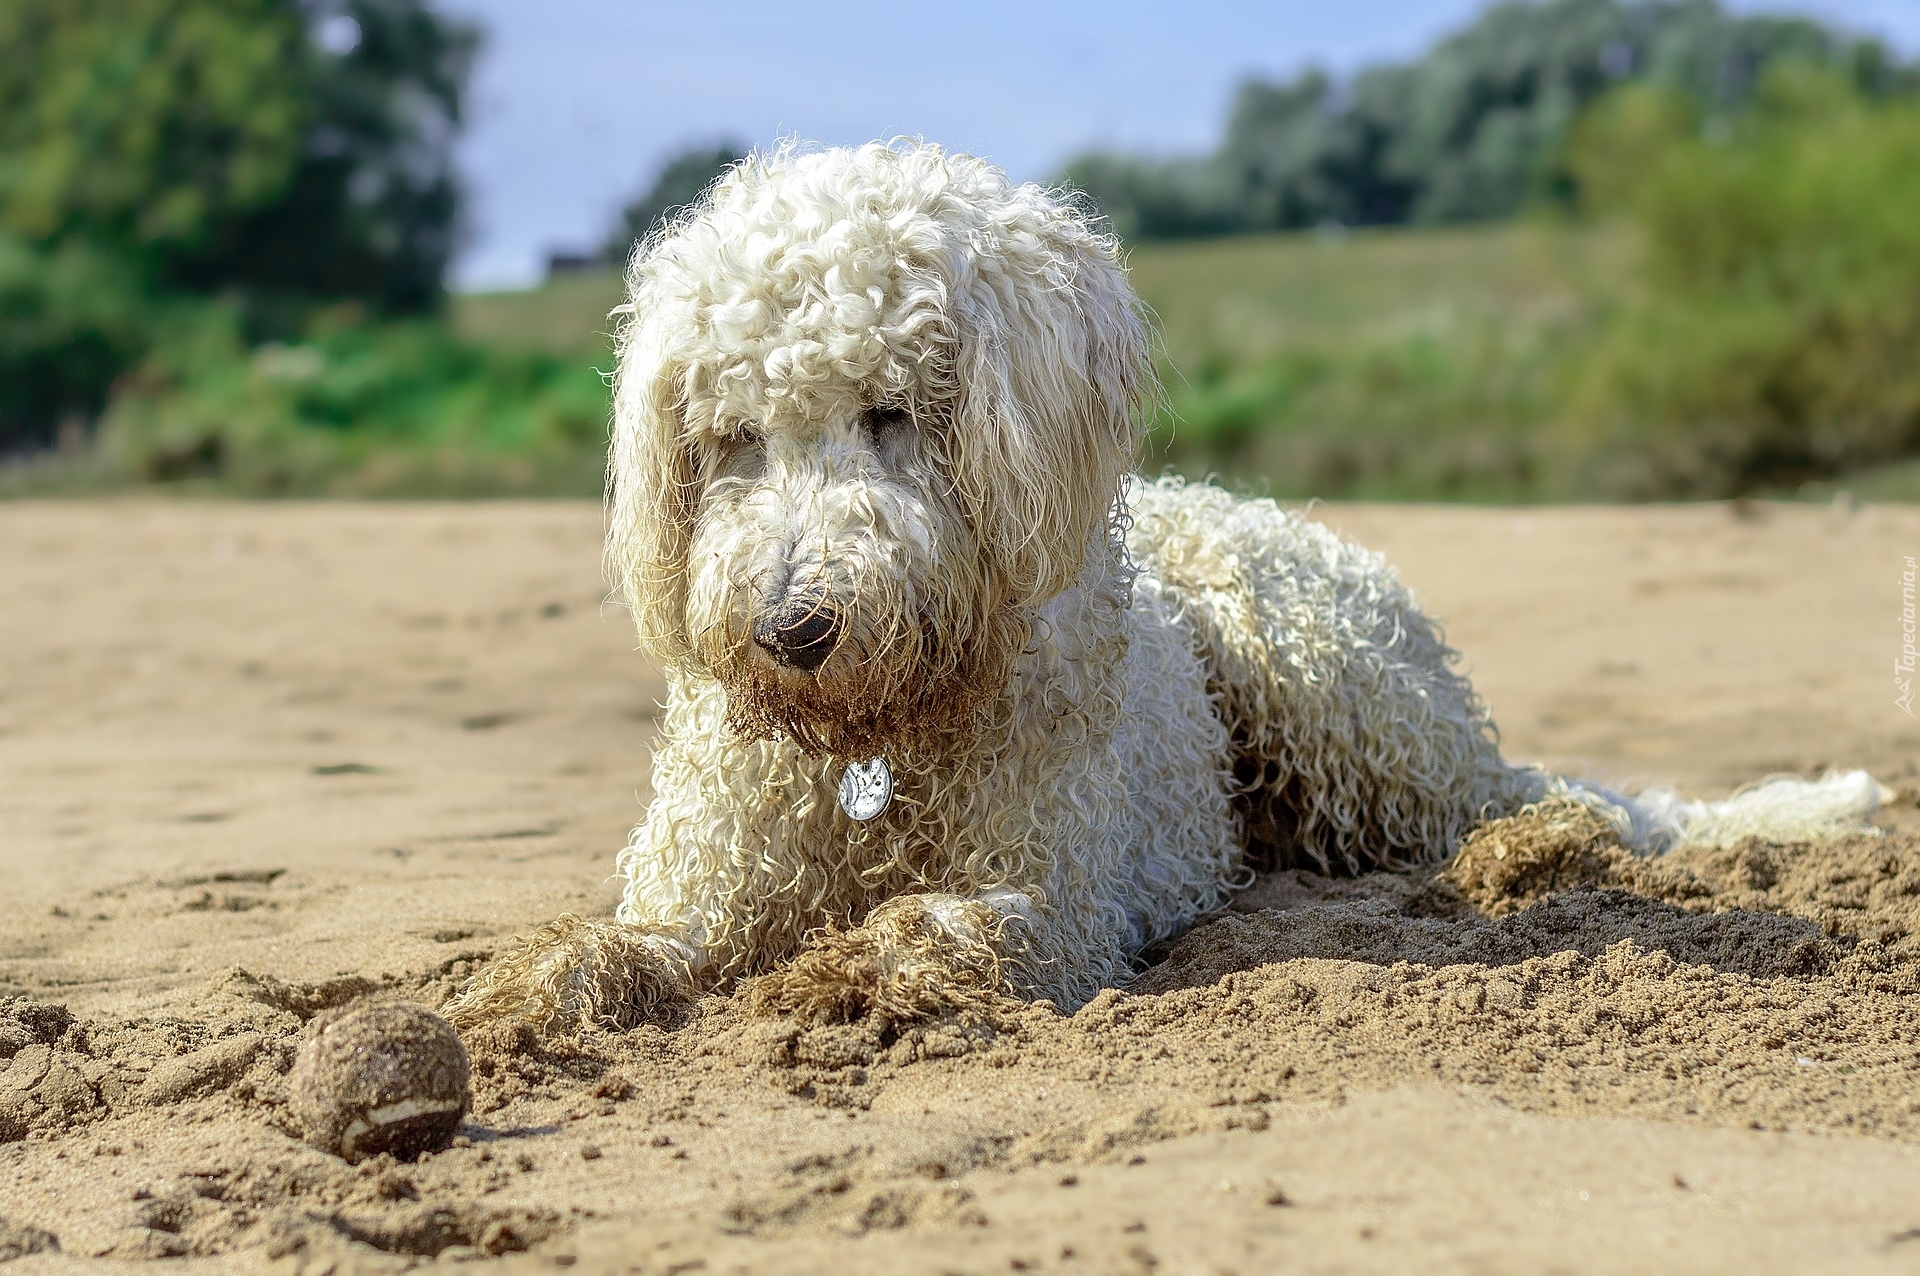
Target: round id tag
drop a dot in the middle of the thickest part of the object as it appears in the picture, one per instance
(866, 788)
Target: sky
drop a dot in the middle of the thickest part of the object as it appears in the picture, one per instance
(575, 104)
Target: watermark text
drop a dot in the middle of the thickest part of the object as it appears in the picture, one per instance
(1903, 667)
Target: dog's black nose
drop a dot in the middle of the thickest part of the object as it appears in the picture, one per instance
(799, 634)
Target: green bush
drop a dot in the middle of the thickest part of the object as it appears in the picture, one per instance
(1442, 412)
(70, 322)
(357, 408)
(1773, 339)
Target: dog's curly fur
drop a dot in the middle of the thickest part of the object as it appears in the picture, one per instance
(887, 386)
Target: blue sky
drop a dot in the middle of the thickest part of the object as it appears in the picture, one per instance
(576, 102)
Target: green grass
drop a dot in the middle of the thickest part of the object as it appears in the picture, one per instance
(1246, 299)
(567, 317)
(1381, 363)
(507, 396)
(354, 408)
(1378, 363)
(1429, 365)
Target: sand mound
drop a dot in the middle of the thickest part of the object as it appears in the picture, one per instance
(1556, 845)
(1765, 986)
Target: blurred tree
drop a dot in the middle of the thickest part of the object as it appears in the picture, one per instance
(283, 152)
(1159, 198)
(1313, 151)
(1609, 148)
(71, 320)
(372, 207)
(284, 147)
(1472, 130)
(1773, 339)
(684, 179)
(141, 125)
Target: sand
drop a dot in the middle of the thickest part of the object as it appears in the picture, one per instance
(260, 760)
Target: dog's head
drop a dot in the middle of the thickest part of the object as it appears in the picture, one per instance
(873, 407)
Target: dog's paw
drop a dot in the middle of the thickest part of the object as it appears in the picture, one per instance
(570, 974)
(916, 958)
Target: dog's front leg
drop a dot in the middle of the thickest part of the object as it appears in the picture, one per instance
(916, 957)
(577, 972)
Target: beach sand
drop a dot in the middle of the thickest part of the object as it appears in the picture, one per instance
(260, 759)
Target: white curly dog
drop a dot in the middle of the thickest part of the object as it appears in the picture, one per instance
(958, 708)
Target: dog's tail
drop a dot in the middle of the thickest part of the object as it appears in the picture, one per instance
(1784, 809)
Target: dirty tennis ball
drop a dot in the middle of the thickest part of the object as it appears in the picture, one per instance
(380, 1076)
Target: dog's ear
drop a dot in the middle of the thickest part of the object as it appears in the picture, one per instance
(652, 486)
(1052, 371)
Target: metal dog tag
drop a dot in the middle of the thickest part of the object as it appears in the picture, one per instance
(866, 788)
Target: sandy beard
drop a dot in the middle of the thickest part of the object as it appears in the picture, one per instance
(923, 649)
(937, 701)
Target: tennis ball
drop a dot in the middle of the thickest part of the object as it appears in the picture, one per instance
(380, 1076)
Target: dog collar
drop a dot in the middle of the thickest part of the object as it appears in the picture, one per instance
(866, 788)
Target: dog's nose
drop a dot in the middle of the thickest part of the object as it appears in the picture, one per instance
(800, 633)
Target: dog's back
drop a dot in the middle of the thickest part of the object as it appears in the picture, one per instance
(1356, 743)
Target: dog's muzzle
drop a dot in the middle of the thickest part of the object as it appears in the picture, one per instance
(799, 633)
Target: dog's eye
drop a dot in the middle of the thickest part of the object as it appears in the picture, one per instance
(880, 420)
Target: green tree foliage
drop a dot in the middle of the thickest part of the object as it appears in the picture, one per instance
(372, 207)
(71, 320)
(214, 143)
(141, 125)
(285, 152)
(683, 179)
(1160, 198)
(1733, 308)
(1470, 131)
(1773, 341)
